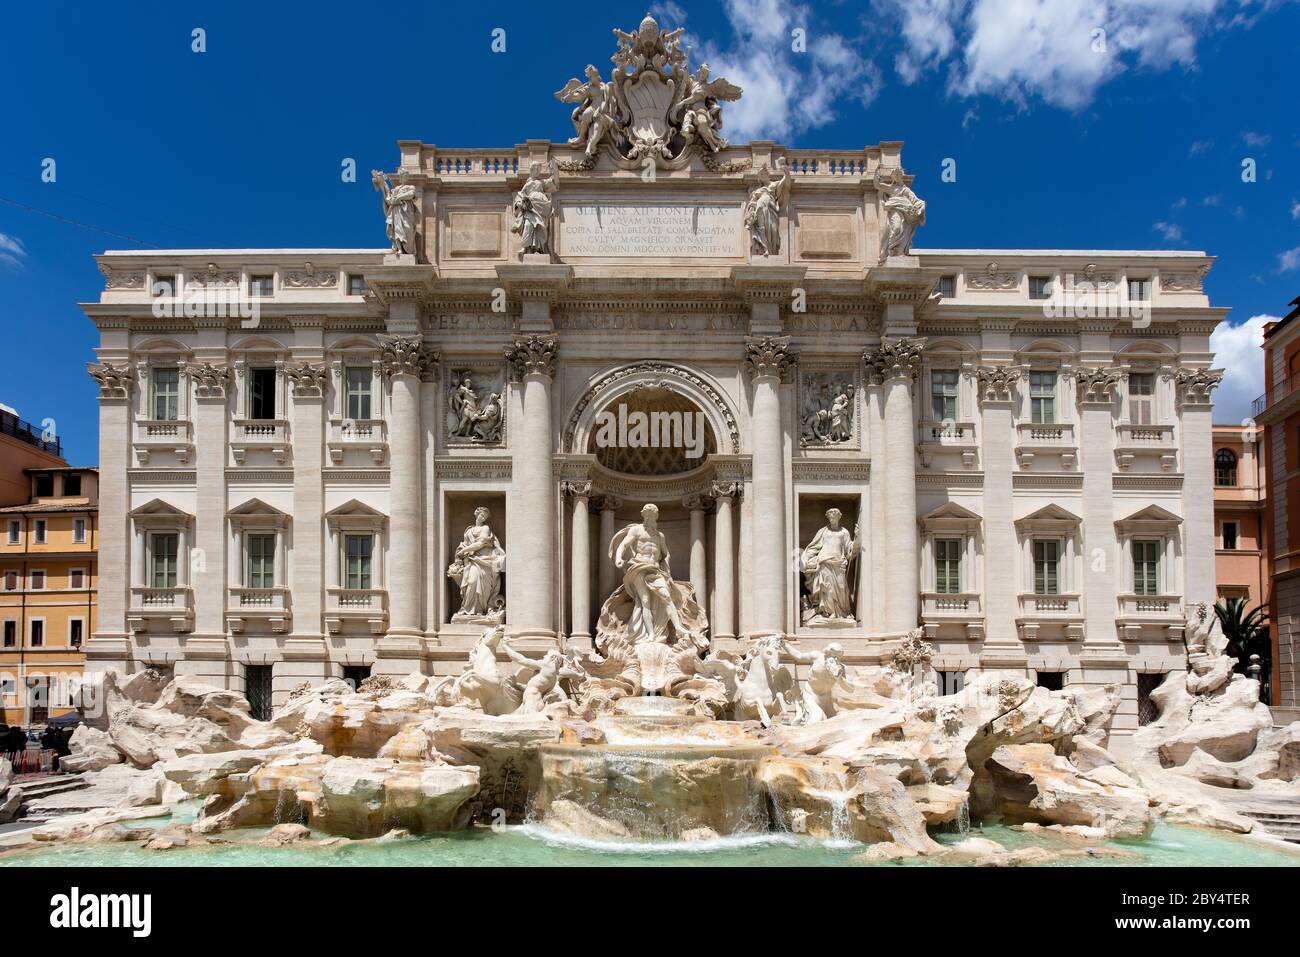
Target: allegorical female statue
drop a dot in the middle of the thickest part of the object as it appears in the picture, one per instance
(825, 565)
(763, 212)
(533, 207)
(476, 570)
(904, 211)
(399, 210)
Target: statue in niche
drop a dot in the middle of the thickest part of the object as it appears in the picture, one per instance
(828, 412)
(477, 412)
(825, 674)
(825, 565)
(476, 570)
(655, 609)
(904, 211)
(596, 112)
(763, 211)
(399, 210)
(533, 207)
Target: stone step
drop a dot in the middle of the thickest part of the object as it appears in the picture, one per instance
(1279, 823)
(44, 787)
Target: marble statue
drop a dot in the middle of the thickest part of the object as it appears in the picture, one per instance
(767, 688)
(542, 688)
(825, 563)
(904, 211)
(826, 673)
(828, 413)
(399, 210)
(641, 550)
(763, 211)
(476, 570)
(482, 685)
(652, 106)
(477, 413)
(533, 207)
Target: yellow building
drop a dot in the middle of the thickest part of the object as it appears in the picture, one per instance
(48, 579)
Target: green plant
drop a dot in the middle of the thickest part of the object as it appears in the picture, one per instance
(1246, 632)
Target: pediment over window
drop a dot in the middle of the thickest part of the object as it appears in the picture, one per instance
(1153, 518)
(158, 511)
(257, 512)
(1048, 517)
(354, 507)
(951, 517)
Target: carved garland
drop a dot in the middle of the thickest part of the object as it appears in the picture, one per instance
(669, 373)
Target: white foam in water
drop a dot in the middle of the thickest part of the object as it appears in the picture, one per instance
(544, 834)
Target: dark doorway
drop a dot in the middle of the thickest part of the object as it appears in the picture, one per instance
(257, 688)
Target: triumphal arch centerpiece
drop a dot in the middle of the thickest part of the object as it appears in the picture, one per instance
(650, 387)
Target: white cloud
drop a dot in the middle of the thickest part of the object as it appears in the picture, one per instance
(1257, 139)
(1215, 200)
(1172, 232)
(786, 92)
(1289, 260)
(1059, 50)
(1295, 209)
(12, 251)
(1200, 146)
(1238, 351)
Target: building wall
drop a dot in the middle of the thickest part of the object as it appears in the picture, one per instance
(15, 456)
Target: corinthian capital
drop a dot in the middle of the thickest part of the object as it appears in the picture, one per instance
(1097, 385)
(532, 355)
(767, 356)
(209, 381)
(407, 355)
(898, 359)
(115, 382)
(997, 383)
(307, 379)
(1195, 385)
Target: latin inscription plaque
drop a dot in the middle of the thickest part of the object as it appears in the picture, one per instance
(616, 231)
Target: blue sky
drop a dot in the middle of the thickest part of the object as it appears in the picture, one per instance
(1060, 140)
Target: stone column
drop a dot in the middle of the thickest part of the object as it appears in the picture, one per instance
(208, 560)
(1101, 558)
(1194, 412)
(530, 611)
(308, 382)
(724, 568)
(997, 389)
(580, 569)
(766, 359)
(896, 365)
(699, 565)
(608, 577)
(406, 360)
(109, 646)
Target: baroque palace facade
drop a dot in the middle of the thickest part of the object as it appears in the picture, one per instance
(380, 452)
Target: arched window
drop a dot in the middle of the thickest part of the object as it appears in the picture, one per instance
(1225, 468)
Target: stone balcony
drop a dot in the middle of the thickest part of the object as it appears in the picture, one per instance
(266, 435)
(150, 607)
(1156, 442)
(1145, 615)
(963, 610)
(268, 607)
(940, 437)
(1050, 617)
(364, 435)
(1039, 441)
(361, 605)
(163, 435)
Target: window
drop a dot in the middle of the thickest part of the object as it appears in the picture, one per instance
(8, 686)
(947, 287)
(1139, 290)
(261, 393)
(1040, 287)
(41, 529)
(15, 531)
(950, 682)
(1225, 468)
(166, 389)
(164, 284)
(1046, 567)
(77, 578)
(11, 633)
(257, 688)
(1146, 568)
(1147, 683)
(1042, 398)
(38, 633)
(1051, 680)
(947, 565)
(261, 286)
(261, 561)
(44, 486)
(1141, 398)
(72, 485)
(1230, 536)
(164, 560)
(76, 629)
(357, 553)
(358, 392)
(357, 286)
(79, 531)
(943, 395)
(11, 581)
(37, 582)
